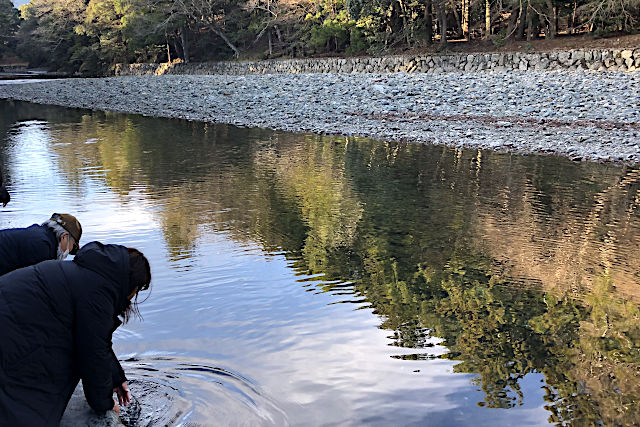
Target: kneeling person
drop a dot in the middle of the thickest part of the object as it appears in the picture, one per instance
(54, 239)
(57, 321)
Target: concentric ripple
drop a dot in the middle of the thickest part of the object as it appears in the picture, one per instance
(168, 391)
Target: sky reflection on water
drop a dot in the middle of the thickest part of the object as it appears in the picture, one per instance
(351, 281)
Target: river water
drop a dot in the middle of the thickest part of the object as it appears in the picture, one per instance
(311, 280)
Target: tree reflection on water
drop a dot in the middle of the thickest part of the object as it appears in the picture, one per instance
(515, 264)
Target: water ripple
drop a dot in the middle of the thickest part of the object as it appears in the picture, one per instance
(174, 391)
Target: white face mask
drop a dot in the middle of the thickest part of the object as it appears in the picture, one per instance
(62, 255)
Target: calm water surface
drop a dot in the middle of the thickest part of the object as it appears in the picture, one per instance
(310, 280)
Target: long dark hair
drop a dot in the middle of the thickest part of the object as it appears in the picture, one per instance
(139, 280)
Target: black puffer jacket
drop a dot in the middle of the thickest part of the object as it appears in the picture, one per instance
(21, 247)
(4, 194)
(56, 322)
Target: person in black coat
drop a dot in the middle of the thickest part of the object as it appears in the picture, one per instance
(4, 194)
(54, 239)
(56, 323)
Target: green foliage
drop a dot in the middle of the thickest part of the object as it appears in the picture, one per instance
(331, 35)
(357, 41)
(498, 39)
(87, 59)
(159, 30)
(328, 31)
(614, 15)
(48, 35)
(356, 7)
(103, 25)
(9, 23)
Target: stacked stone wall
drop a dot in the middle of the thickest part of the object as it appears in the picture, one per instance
(595, 60)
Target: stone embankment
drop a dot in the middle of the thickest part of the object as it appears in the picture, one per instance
(587, 59)
(581, 115)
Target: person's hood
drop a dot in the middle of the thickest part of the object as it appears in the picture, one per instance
(109, 261)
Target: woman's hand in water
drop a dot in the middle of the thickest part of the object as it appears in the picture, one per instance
(116, 407)
(122, 391)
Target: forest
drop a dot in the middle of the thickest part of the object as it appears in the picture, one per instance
(90, 36)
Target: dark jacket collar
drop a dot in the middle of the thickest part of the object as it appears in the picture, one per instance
(51, 235)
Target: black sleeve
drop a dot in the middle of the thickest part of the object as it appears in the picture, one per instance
(93, 344)
(117, 373)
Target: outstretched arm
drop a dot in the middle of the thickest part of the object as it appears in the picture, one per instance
(117, 373)
(119, 380)
(94, 320)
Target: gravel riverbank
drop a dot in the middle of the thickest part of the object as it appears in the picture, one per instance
(582, 115)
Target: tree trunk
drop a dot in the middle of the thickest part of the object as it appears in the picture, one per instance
(278, 33)
(184, 41)
(487, 19)
(270, 45)
(458, 22)
(550, 31)
(513, 21)
(168, 51)
(224, 37)
(395, 21)
(175, 42)
(529, 24)
(428, 21)
(405, 27)
(523, 23)
(442, 22)
(465, 19)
